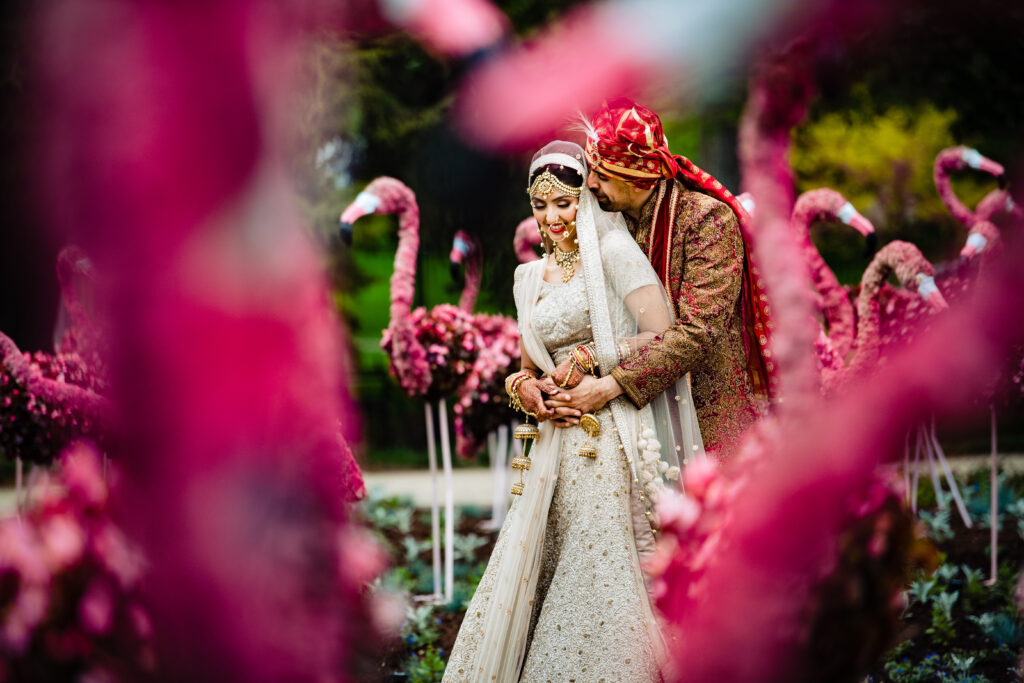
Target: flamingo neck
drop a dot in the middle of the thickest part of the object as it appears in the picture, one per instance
(944, 186)
(403, 280)
(471, 289)
(835, 306)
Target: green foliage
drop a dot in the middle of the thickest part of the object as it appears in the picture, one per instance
(881, 160)
(946, 667)
(386, 512)
(973, 585)
(937, 524)
(466, 546)
(420, 626)
(426, 666)
(946, 573)
(1000, 627)
(920, 591)
(414, 548)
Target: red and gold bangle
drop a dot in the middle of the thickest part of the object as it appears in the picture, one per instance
(585, 358)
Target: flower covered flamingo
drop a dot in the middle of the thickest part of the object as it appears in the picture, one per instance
(836, 307)
(958, 159)
(916, 274)
(47, 401)
(481, 413)
(999, 207)
(432, 352)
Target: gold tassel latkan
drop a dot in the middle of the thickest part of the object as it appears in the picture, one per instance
(590, 425)
(527, 433)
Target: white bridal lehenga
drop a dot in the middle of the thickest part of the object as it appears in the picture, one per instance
(564, 597)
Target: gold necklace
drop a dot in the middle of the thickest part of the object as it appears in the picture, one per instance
(565, 259)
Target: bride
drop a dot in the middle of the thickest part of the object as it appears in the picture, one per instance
(564, 596)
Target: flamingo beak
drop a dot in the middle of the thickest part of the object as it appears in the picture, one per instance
(345, 232)
(993, 167)
(928, 290)
(862, 225)
(937, 301)
(365, 203)
(974, 159)
(849, 215)
(974, 246)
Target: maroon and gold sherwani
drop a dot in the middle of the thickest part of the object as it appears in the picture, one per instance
(705, 265)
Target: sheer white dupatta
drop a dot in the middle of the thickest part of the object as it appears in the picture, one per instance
(502, 648)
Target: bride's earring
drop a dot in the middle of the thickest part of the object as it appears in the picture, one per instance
(590, 425)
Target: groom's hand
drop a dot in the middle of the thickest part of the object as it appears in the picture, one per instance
(589, 396)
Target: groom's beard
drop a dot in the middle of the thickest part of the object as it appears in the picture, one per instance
(603, 201)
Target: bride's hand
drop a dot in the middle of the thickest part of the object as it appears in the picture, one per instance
(564, 369)
(531, 393)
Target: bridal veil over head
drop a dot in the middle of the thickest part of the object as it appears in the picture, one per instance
(655, 440)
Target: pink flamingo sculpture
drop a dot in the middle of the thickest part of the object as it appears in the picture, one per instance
(895, 318)
(985, 244)
(999, 207)
(916, 274)
(526, 240)
(431, 352)
(481, 412)
(827, 204)
(958, 159)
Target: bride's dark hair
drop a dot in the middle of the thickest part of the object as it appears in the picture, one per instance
(569, 176)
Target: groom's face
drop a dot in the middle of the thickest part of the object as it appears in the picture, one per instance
(612, 194)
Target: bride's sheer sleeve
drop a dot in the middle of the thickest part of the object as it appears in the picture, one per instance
(629, 274)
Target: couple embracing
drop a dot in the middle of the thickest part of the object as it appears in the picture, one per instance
(645, 291)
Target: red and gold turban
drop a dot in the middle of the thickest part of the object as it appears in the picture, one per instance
(630, 144)
(626, 141)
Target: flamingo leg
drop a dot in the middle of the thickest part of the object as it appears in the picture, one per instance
(435, 522)
(940, 455)
(449, 503)
(994, 509)
(925, 444)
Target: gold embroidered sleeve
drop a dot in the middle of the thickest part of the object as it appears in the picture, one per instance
(706, 279)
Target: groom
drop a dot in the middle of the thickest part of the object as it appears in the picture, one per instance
(688, 224)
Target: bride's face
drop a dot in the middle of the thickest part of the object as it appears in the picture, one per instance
(556, 216)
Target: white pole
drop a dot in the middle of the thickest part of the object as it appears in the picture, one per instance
(501, 475)
(917, 472)
(18, 469)
(906, 470)
(449, 504)
(492, 453)
(435, 522)
(994, 510)
(953, 487)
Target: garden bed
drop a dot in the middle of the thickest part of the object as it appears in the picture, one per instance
(955, 627)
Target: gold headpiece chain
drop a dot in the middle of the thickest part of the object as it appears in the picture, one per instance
(546, 182)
